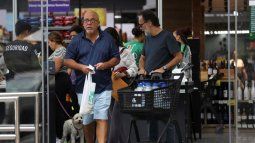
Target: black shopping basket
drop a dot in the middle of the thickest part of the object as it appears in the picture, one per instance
(162, 100)
(159, 100)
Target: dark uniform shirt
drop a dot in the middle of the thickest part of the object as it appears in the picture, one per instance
(159, 50)
(20, 57)
(83, 51)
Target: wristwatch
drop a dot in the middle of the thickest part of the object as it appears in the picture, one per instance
(164, 68)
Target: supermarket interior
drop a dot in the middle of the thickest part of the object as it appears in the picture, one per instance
(136, 71)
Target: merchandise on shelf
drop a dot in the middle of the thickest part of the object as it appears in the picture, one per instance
(55, 23)
(63, 20)
(246, 116)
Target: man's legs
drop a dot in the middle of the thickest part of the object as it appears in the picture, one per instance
(101, 105)
(89, 132)
(88, 124)
(101, 130)
(101, 109)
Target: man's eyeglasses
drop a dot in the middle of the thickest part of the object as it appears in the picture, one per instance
(90, 20)
(141, 25)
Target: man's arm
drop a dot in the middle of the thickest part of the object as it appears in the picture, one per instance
(142, 70)
(177, 58)
(35, 64)
(107, 65)
(74, 65)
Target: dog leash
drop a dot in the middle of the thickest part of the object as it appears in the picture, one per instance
(63, 107)
(67, 113)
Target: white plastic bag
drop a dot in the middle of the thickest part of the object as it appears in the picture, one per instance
(86, 106)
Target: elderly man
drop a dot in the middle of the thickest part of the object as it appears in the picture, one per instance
(97, 48)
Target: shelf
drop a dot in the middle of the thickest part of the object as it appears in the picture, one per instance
(226, 80)
(246, 101)
(246, 126)
(59, 28)
(251, 49)
(245, 117)
(232, 101)
(214, 125)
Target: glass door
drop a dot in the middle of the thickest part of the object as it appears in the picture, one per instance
(244, 75)
(22, 72)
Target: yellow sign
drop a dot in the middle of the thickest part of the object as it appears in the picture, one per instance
(100, 11)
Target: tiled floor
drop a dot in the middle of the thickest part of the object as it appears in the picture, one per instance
(244, 136)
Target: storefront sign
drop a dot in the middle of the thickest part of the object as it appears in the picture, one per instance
(53, 5)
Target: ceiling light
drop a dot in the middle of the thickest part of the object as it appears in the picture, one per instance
(226, 32)
(117, 16)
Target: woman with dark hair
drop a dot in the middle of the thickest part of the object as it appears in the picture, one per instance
(59, 51)
(181, 36)
(127, 59)
(241, 65)
(125, 69)
(66, 99)
(136, 45)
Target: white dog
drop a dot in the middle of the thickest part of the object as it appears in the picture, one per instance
(74, 127)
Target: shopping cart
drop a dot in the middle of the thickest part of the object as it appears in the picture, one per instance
(207, 100)
(160, 102)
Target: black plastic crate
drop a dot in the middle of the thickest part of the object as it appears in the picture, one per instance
(159, 100)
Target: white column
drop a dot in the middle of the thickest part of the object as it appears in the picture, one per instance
(15, 17)
(160, 13)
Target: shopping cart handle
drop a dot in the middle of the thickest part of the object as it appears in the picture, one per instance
(141, 77)
(156, 76)
(153, 76)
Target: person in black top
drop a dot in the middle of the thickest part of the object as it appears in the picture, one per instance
(161, 53)
(21, 60)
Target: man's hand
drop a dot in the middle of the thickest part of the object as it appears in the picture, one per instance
(100, 66)
(85, 69)
(160, 70)
(142, 72)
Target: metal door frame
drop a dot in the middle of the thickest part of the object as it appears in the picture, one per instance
(15, 97)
